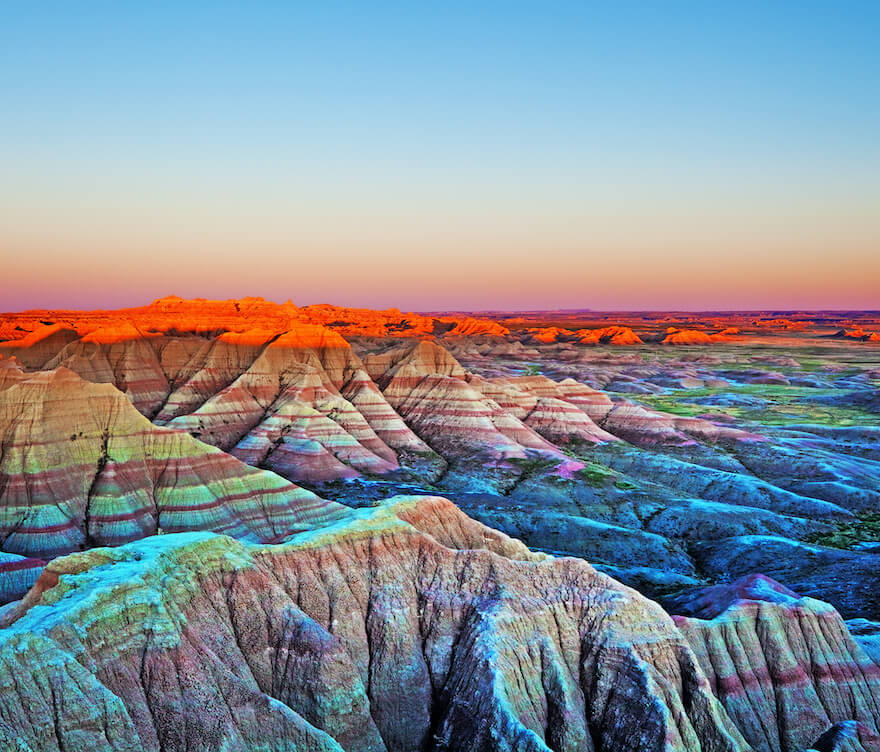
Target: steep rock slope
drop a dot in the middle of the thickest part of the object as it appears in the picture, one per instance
(429, 389)
(81, 467)
(121, 355)
(558, 412)
(197, 368)
(785, 668)
(40, 345)
(406, 627)
(287, 412)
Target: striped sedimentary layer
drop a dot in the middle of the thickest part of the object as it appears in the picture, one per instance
(287, 412)
(560, 412)
(400, 628)
(17, 575)
(406, 627)
(273, 397)
(785, 668)
(122, 355)
(429, 389)
(81, 467)
(299, 401)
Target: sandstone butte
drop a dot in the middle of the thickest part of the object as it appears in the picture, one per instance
(610, 335)
(549, 334)
(406, 627)
(697, 337)
(470, 327)
(861, 334)
(172, 314)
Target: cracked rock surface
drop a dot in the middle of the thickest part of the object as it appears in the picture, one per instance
(407, 626)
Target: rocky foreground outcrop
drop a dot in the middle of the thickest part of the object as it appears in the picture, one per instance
(399, 628)
(784, 667)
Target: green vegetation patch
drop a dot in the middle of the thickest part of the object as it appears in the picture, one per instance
(621, 484)
(596, 475)
(786, 405)
(847, 534)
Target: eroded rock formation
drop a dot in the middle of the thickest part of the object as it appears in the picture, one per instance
(81, 467)
(403, 627)
(408, 625)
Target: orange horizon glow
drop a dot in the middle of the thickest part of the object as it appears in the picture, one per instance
(509, 261)
(442, 158)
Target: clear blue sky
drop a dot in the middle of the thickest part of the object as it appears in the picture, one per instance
(611, 155)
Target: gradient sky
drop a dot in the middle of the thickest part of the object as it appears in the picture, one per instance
(611, 155)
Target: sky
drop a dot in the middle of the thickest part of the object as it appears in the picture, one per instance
(458, 155)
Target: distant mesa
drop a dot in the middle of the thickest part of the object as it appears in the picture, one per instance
(471, 327)
(610, 335)
(861, 334)
(783, 324)
(676, 336)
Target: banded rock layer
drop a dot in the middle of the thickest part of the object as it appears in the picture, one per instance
(401, 628)
(785, 668)
(663, 466)
(302, 403)
(80, 467)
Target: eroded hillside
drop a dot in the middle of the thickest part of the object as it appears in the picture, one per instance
(674, 463)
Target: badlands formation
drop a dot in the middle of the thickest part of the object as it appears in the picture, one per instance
(237, 525)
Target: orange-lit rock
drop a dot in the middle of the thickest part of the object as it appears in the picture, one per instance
(471, 327)
(121, 355)
(549, 334)
(198, 368)
(697, 337)
(35, 349)
(781, 323)
(610, 335)
(863, 335)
